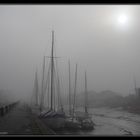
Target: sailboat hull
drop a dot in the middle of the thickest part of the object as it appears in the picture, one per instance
(55, 123)
(54, 120)
(72, 125)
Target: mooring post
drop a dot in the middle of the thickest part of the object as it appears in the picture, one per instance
(6, 108)
(2, 111)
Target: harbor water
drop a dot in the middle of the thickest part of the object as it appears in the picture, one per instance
(111, 122)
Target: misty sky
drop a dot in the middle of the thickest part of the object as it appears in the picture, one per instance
(90, 35)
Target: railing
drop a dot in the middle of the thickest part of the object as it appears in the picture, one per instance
(6, 108)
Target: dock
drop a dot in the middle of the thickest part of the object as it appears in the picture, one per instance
(19, 120)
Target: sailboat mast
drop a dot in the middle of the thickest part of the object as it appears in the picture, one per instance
(86, 94)
(42, 89)
(69, 90)
(59, 96)
(52, 70)
(47, 84)
(135, 86)
(36, 88)
(75, 90)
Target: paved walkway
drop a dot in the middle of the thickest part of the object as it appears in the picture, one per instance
(20, 121)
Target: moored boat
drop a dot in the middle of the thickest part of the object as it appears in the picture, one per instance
(85, 118)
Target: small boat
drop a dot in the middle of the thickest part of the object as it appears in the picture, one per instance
(72, 124)
(54, 120)
(85, 118)
(87, 124)
(85, 121)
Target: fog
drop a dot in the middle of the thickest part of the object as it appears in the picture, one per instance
(88, 35)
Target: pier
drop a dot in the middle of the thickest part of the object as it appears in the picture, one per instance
(17, 119)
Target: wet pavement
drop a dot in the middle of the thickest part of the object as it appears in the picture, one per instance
(20, 121)
(16, 121)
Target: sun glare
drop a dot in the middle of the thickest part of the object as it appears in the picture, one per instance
(123, 19)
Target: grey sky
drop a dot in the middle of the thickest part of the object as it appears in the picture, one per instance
(89, 35)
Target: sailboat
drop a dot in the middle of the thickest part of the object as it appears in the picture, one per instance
(53, 116)
(84, 117)
(71, 121)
